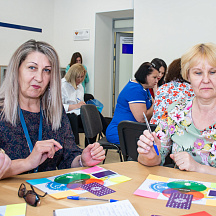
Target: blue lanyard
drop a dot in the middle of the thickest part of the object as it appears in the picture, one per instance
(26, 131)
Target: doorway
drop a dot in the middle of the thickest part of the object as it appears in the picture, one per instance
(123, 63)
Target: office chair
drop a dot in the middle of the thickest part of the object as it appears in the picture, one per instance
(93, 126)
(129, 133)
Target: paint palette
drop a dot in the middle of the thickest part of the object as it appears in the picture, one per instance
(71, 184)
(158, 187)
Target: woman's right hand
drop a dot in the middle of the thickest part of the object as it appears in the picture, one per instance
(42, 150)
(80, 104)
(146, 149)
(5, 163)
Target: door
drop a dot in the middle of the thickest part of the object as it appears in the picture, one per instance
(124, 62)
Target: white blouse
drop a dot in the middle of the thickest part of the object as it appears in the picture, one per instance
(70, 95)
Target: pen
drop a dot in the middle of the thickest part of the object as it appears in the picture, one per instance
(149, 129)
(86, 198)
(78, 99)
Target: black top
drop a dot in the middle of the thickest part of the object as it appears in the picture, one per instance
(13, 141)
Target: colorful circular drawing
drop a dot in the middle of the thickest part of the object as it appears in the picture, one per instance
(76, 185)
(187, 185)
(159, 186)
(68, 178)
(56, 186)
(196, 194)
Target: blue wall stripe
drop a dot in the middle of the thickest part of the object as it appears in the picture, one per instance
(27, 28)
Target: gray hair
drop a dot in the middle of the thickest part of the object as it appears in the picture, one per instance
(9, 91)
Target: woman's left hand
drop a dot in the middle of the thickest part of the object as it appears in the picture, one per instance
(92, 154)
(185, 161)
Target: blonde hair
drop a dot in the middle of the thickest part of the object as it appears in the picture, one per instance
(51, 99)
(206, 51)
(74, 71)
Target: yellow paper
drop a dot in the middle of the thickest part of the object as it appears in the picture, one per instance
(120, 179)
(213, 185)
(15, 209)
(211, 202)
(63, 194)
(157, 178)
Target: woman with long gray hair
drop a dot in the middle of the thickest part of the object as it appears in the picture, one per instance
(35, 131)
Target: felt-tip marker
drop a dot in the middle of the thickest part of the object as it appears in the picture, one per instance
(149, 129)
(94, 199)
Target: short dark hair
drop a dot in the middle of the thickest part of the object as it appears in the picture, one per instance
(160, 63)
(74, 57)
(143, 71)
(174, 72)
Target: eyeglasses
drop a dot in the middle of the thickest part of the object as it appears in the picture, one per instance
(30, 196)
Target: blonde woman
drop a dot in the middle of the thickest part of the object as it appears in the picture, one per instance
(35, 131)
(72, 89)
(188, 126)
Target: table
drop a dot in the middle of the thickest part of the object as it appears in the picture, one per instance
(138, 173)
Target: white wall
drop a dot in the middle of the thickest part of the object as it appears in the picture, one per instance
(97, 54)
(166, 29)
(37, 14)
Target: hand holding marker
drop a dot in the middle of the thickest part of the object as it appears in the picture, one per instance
(149, 129)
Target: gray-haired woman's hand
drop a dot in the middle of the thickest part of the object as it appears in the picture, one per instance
(41, 151)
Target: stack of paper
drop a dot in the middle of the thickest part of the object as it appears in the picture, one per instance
(120, 208)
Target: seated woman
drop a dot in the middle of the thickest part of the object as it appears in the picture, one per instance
(77, 58)
(175, 88)
(188, 127)
(161, 66)
(35, 131)
(133, 100)
(5, 162)
(72, 89)
(73, 96)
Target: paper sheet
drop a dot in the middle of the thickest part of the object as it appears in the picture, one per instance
(120, 208)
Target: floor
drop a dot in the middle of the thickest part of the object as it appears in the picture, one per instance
(112, 155)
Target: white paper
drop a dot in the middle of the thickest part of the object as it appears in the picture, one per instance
(120, 208)
(76, 111)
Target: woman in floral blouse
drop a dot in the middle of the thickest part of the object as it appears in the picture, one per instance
(188, 127)
(175, 88)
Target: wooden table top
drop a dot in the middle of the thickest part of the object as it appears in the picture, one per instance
(138, 173)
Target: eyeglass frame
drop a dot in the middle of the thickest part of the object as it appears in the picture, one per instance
(26, 192)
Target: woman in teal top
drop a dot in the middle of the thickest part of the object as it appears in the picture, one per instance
(188, 128)
(77, 58)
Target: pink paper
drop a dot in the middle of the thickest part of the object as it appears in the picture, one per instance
(148, 194)
(92, 169)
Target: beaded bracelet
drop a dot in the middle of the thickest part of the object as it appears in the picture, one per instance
(80, 162)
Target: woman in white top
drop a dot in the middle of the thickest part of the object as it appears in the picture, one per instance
(72, 89)
(73, 96)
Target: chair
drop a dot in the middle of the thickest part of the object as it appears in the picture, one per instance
(93, 126)
(129, 133)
